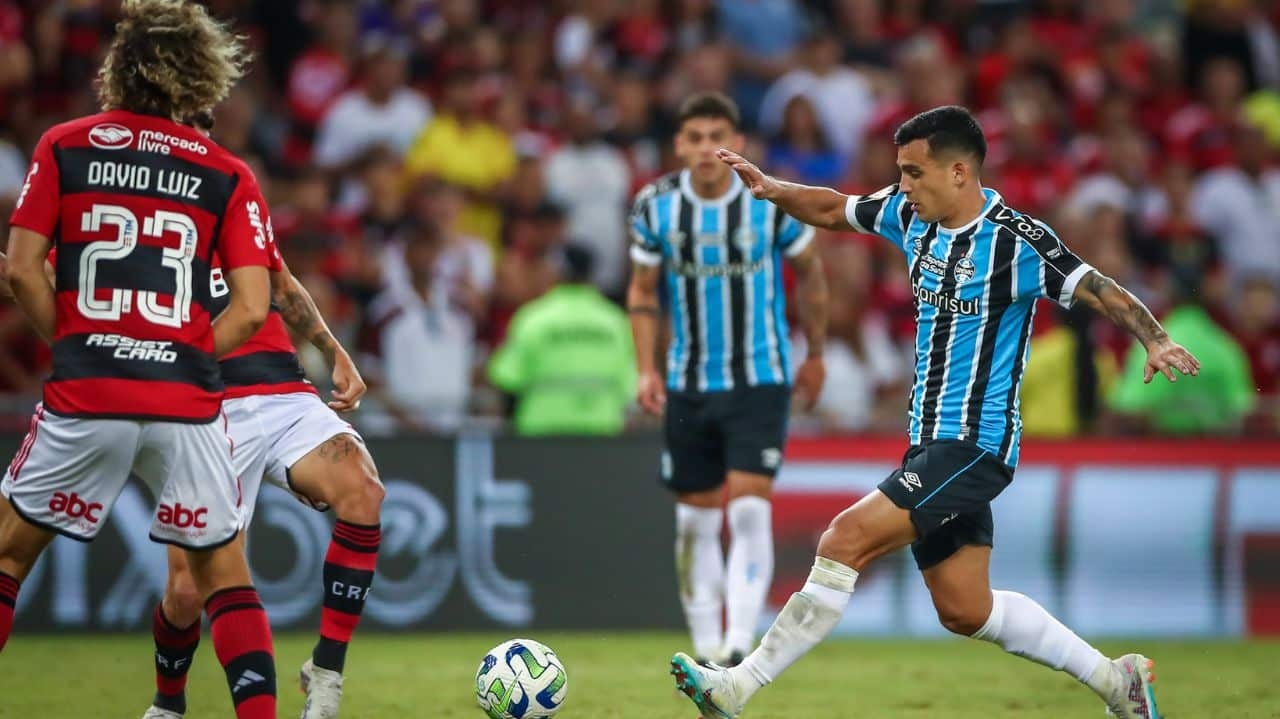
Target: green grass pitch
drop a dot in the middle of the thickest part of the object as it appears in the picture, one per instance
(421, 676)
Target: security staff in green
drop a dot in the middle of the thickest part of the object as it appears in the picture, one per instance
(568, 358)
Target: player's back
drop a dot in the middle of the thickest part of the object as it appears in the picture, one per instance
(135, 205)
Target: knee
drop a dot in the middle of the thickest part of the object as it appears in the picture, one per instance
(962, 619)
(847, 540)
(360, 500)
(750, 515)
(182, 599)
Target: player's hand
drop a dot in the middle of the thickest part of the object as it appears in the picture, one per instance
(652, 393)
(348, 385)
(1165, 356)
(809, 380)
(762, 186)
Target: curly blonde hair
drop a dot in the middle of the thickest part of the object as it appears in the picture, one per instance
(169, 58)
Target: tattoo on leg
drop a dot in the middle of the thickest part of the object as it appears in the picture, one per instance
(336, 449)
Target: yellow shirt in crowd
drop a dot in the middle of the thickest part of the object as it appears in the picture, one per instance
(476, 156)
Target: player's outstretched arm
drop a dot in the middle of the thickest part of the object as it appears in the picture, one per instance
(645, 312)
(817, 206)
(28, 281)
(299, 312)
(811, 310)
(1107, 298)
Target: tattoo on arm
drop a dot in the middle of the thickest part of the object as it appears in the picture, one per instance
(1122, 308)
(299, 311)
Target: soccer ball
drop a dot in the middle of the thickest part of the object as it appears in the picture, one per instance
(521, 679)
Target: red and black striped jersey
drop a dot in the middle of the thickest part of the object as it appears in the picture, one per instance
(139, 209)
(268, 362)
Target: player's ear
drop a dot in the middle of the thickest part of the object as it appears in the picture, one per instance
(959, 172)
(738, 142)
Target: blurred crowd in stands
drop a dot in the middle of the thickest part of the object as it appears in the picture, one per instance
(426, 161)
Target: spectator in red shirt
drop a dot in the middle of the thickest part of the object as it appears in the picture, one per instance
(1257, 327)
(319, 75)
(1201, 133)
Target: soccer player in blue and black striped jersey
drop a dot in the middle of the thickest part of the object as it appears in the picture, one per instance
(728, 386)
(977, 268)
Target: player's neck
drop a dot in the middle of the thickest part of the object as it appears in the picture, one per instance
(966, 210)
(711, 190)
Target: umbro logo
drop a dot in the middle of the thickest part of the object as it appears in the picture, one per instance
(247, 679)
(911, 481)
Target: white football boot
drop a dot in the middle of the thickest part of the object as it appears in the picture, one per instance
(1133, 697)
(711, 687)
(156, 712)
(323, 688)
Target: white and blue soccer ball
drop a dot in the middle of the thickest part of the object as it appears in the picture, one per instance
(521, 679)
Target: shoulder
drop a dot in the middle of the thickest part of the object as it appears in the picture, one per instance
(112, 130)
(1022, 226)
(95, 128)
(412, 99)
(235, 166)
(385, 308)
(666, 184)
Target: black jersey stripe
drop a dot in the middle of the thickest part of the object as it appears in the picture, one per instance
(1000, 294)
(941, 344)
(737, 294)
(692, 294)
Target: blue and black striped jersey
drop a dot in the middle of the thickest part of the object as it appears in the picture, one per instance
(975, 292)
(723, 280)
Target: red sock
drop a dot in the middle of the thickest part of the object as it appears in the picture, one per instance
(348, 575)
(8, 598)
(242, 641)
(174, 649)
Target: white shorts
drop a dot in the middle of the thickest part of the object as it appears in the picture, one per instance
(271, 432)
(69, 471)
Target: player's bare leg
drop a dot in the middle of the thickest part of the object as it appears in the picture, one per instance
(967, 606)
(239, 627)
(857, 536)
(700, 568)
(749, 570)
(20, 546)
(341, 474)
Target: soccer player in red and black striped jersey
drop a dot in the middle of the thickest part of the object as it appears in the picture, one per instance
(140, 206)
(283, 432)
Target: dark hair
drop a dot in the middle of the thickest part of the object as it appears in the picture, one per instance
(578, 261)
(709, 104)
(949, 127)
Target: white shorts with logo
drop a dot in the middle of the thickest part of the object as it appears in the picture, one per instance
(271, 432)
(69, 471)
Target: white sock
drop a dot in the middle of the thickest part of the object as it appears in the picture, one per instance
(700, 573)
(1022, 627)
(807, 619)
(750, 569)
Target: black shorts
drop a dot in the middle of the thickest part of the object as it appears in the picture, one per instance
(947, 485)
(709, 433)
